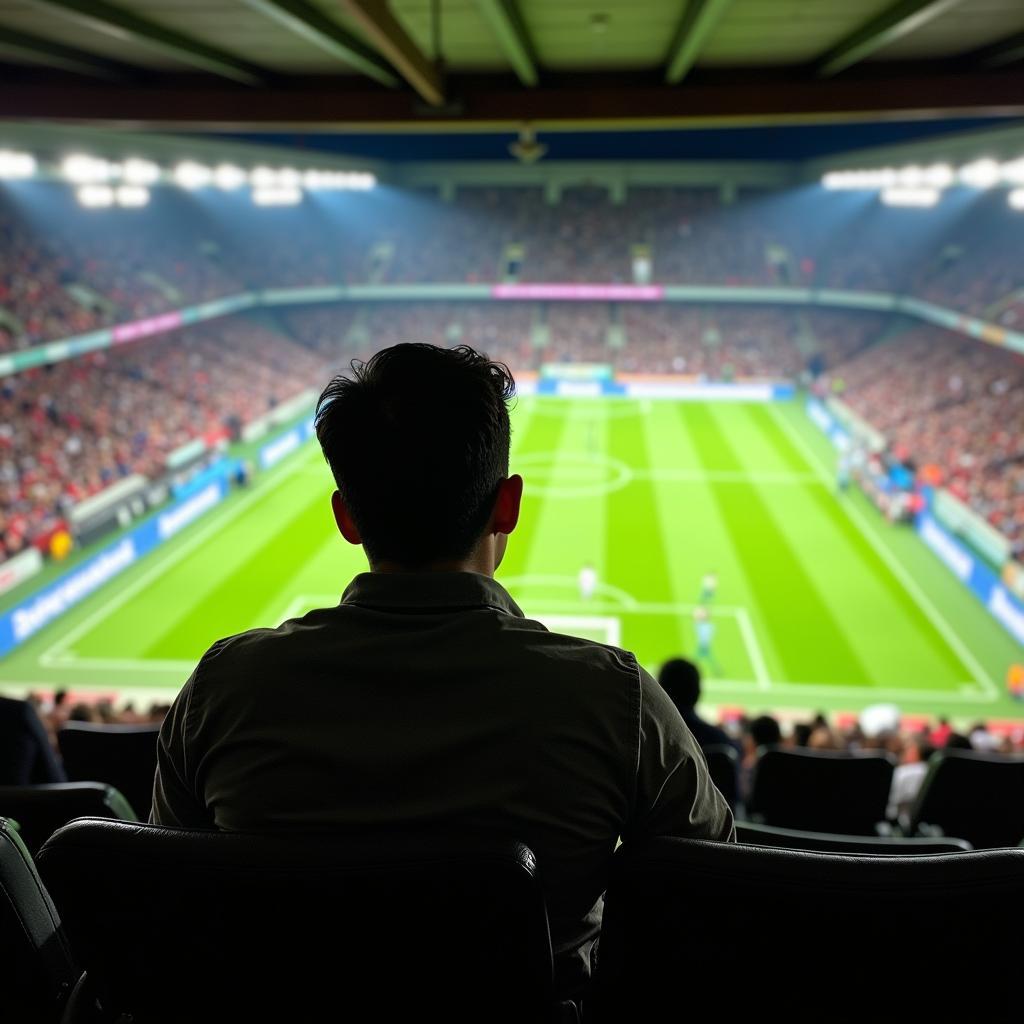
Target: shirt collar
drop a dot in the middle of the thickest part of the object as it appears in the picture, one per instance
(429, 591)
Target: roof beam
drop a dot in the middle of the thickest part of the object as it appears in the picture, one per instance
(903, 18)
(374, 17)
(57, 55)
(1003, 51)
(309, 22)
(127, 25)
(508, 26)
(699, 20)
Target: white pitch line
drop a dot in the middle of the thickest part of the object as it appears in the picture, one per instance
(764, 680)
(872, 693)
(724, 476)
(909, 583)
(216, 522)
(609, 625)
(120, 664)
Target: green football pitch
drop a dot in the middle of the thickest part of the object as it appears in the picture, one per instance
(820, 602)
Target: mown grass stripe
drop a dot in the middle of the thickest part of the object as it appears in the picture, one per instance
(915, 626)
(231, 604)
(809, 641)
(633, 548)
(532, 431)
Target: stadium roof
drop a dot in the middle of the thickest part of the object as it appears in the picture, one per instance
(325, 64)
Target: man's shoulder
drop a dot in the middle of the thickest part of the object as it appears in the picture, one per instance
(262, 643)
(562, 650)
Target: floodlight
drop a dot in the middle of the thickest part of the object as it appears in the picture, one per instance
(132, 195)
(87, 170)
(905, 196)
(263, 177)
(278, 195)
(191, 175)
(140, 172)
(228, 177)
(95, 196)
(15, 165)
(1013, 172)
(938, 176)
(981, 173)
(1016, 199)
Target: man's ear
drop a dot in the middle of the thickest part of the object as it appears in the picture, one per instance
(342, 516)
(506, 505)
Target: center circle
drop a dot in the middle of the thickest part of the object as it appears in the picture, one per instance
(571, 474)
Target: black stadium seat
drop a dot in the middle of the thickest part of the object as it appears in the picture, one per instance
(177, 925)
(979, 797)
(122, 756)
(36, 966)
(696, 930)
(41, 810)
(723, 765)
(820, 790)
(751, 834)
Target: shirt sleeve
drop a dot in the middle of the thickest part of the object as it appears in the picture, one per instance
(674, 794)
(175, 800)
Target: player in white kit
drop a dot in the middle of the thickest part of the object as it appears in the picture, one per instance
(587, 582)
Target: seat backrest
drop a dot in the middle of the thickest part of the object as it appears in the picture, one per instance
(751, 834)
(723, 765)
(123, 756)
(820, 791)
(977, 796)
(847, 937)
(41, 810)
(184, 925)
(36, 964)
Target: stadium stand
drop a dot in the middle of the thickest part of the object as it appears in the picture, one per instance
(400, 923)
(942, 402)
(70, 430)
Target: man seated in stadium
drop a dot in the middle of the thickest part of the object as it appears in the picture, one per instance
(426, 698)
(680, 679)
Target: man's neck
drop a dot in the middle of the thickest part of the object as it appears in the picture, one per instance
(476, 562)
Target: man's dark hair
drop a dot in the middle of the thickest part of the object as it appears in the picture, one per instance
(417, 438)
(680, 679)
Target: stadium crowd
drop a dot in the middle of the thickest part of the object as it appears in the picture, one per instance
(946, 403)
(66, 270)
(69, 430)
(951, 408)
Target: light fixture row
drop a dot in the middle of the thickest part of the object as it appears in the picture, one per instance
(917, 185)
(269, 185)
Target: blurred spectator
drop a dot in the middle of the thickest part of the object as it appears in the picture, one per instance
(680, 679)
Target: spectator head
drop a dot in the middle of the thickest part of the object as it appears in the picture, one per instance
(59, 697)
(680, 679)
(765, 731)
(801, 734)
(918, 748)
(417, 438)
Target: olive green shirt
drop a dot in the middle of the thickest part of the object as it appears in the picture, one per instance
(429, 700)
